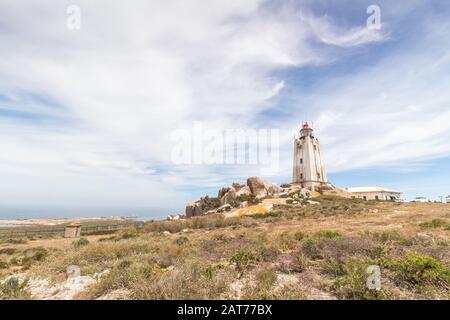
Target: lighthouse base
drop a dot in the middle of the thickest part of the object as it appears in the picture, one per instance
(316, 186)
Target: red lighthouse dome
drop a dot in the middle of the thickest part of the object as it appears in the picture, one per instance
(306, 127)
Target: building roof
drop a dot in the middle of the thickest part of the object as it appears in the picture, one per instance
(371, 189)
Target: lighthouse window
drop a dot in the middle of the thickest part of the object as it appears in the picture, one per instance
(301, 175)
(301, 160)
(318, 175)
(315, 147)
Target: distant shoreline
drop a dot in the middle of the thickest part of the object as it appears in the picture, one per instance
(12, 223)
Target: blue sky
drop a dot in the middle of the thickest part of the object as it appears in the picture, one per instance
(86, 116)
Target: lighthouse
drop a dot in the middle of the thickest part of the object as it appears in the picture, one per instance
(308, 166)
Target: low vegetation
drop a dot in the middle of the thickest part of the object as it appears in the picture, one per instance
(298, 251)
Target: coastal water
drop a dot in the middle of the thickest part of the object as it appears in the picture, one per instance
(11, 212)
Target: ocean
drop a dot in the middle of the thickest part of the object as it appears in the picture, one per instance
(16, 212)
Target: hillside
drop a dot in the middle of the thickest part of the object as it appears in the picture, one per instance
(314, 250)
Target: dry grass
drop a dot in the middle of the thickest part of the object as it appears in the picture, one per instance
(310, 252)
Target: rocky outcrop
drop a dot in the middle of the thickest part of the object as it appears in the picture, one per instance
(229, 197)
(262, 188)
(193, 209)
(244, 191)
(237, 186)
(257, 186)
(224, 208)
(241, 196)
(222, 192)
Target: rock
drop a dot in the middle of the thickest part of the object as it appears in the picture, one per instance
(243, 204)
(244, 191)
(325, 187)
(73, 271)
(261, 188)
(229, 197)
(273, 189)
(237, 186)
(222, 192)
(257, 186)
(99, 275)
(224, 208)
(315, 203)
(166, 233)
(283, 194)
(305, 193)
(42, 289)
(173, 217)
(423, 237)
(185, 230)
(193, 209)
(119, 294)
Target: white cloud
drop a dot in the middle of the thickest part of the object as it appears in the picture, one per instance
(132, 74)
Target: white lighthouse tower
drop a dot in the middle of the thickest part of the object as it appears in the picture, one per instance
(308, 167)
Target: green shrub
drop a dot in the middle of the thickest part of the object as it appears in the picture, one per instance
(208, 203)
(242, 259)
(266, 279)
(299, 236)
(15, 241)
(181, 240)
(250, 198)
(353, 285)
(435, 223)
(3, 265)
(129, 235)
(420, 270)
(212, 269)
(38, 253)
(332, 266)
(271, 214)
(80, 242)
(312, 247)
(13, 288)
(112, 238)
(389, 236)
(8, 251)
(287, 241)
(124, 264)
(330, 234)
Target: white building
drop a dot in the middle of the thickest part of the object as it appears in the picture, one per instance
(374, 193)
(308, 167)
